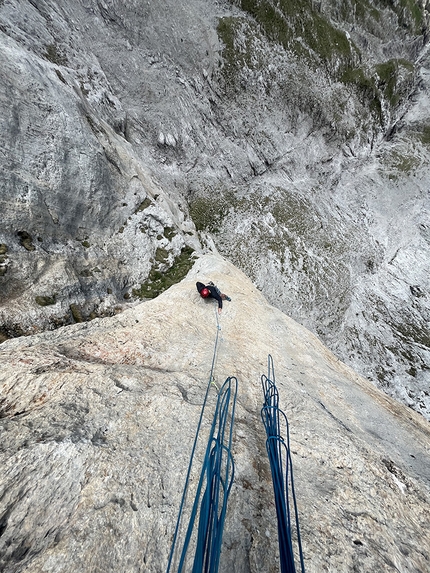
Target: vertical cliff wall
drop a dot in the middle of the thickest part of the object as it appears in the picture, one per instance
(296, 142)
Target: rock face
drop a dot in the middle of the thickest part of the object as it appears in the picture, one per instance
(298, 139)
(98, 421)
(83, 221)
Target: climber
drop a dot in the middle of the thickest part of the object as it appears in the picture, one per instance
(212, 291)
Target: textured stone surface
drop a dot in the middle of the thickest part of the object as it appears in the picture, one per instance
(93, 215)
(98, 421)
(306, 161)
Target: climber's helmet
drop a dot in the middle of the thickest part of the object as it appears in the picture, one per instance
(205, 292)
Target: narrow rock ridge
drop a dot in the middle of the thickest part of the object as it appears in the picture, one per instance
(98, 421)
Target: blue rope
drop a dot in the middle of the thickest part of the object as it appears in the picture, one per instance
(216, 476)
(278, 450)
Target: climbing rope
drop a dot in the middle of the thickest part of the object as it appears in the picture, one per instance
(218, 340)
(278, 450)
(215, 481)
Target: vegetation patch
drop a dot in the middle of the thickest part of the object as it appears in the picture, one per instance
(161, 255)
(144, 205)
(362, 10)
(370, 13)
(424, 135)
(409, 14)
(299, 26)
(76, 313)
(359, 78)
(391, 76)
(207, 214)
(209, 209)
(169, 233)
(388, 81)
(295, 213)
(45, 300)
(158, 281)
(397, 163)
(239, 37)
(26, 240)
(86, 244)
(55, 55)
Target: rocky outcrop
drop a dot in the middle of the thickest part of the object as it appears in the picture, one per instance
(98, 421)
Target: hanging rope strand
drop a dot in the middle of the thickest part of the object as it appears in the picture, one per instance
(187, 479)
(216, 477)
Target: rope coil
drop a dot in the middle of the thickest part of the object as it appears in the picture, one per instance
(278, 450)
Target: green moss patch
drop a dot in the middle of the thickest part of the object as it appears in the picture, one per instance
(300, 27)
(161, 255)
(239, 36)
(409, 14)
(397, 163)
(388, 81)
(158, 281)
(359, 78)
(169, 233)
(210, 209)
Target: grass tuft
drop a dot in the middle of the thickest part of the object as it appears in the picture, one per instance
(158, 281)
